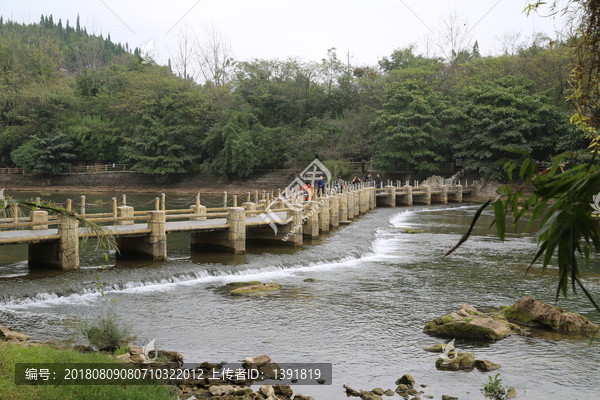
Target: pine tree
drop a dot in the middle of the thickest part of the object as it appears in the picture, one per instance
(475, 52)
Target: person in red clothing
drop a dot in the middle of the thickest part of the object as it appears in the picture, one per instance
(307, 191)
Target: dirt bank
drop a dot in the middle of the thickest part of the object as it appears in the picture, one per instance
(132, 182)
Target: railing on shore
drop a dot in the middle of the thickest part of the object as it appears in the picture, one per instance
(11, 171)
(73, 169)
(96, 168)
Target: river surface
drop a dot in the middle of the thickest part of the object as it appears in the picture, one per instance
(375, 289)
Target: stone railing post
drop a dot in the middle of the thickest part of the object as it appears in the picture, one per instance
(125, 212)
(41, 218)
(199, 212)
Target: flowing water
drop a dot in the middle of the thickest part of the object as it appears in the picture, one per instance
(375, 289)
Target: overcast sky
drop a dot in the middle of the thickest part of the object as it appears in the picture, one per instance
(367, 30)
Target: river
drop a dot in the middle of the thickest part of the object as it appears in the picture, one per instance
(375, 289)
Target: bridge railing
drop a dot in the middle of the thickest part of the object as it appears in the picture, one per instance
(123, 214)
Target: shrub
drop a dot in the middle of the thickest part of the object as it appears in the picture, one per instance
(494, 390)
(106, 333)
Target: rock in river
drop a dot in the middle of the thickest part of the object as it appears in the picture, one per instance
(528, 311)
(467, 322)
(254, 287)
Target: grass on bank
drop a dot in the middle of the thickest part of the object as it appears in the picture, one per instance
(12, 353)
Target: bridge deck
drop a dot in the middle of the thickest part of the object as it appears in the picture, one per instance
(41, 235)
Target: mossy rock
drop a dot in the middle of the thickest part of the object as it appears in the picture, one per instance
(520, 316)
(446, 319)
(437, 348)
(409, 230)
(237, 284)
(310, 280)
(463, 361)
(255, 289)
(461, 329)
(468, 323)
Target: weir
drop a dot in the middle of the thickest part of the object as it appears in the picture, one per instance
(271, 219)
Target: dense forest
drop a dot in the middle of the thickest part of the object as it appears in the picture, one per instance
(70, 97)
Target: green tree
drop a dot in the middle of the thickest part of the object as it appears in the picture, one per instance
(169, 137)
(491, 118)
(407, 129)
(45, 154)
(236, 148)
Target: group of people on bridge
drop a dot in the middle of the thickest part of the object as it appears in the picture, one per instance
(339, 185)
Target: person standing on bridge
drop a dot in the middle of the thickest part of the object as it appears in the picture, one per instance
(340, 184)
(307, 191)
(356, 182)
(378, 182)
(320, 186)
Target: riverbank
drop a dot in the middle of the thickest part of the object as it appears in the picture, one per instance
(134, 182)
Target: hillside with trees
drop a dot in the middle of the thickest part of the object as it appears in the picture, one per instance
(70, 97)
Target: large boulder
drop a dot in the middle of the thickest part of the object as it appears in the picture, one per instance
(528, 311)
(467, 322)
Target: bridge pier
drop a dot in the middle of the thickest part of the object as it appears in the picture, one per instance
(391, 200)
(58, 254)
(287, 234)
(456, 194)
(232, 239)
(372, 192)
(334, 211)
(324, 214)
(343, 199)
(151, 246)
(311, 226)
(408, 197)
(363, 201)
(442, 196)
(350, 201)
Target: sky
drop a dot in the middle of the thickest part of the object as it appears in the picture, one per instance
(363, 30)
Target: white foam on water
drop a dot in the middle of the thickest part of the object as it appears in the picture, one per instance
(47, 300)
(167, 284)
(385, 247)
